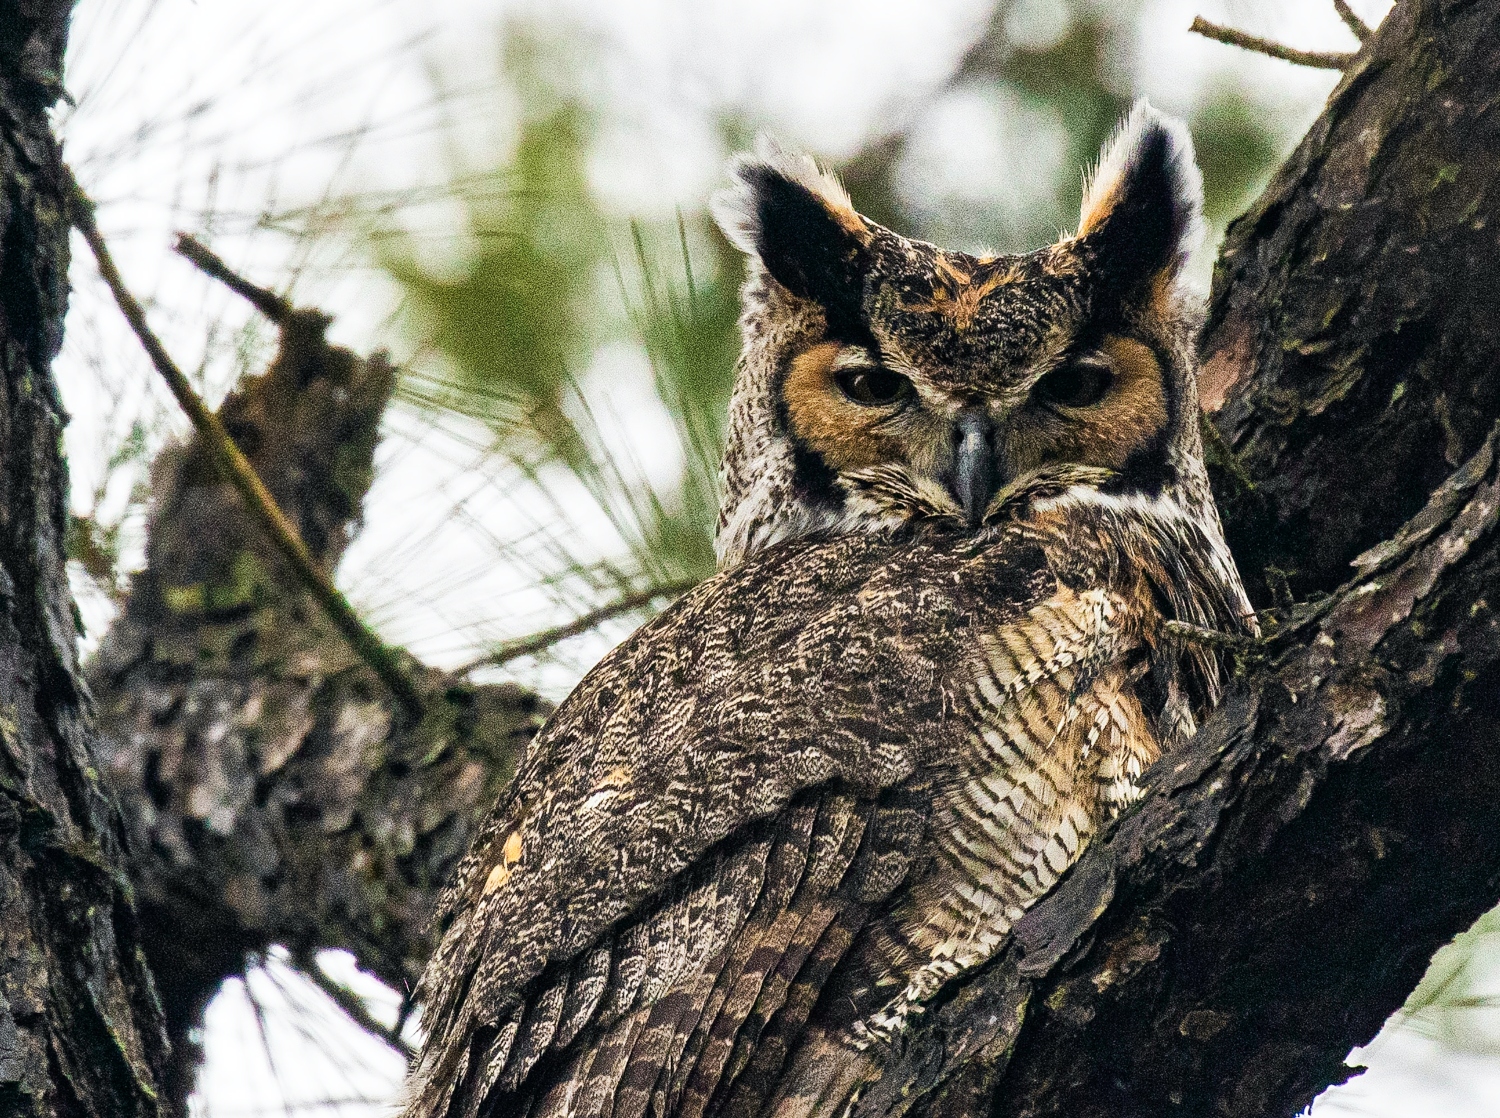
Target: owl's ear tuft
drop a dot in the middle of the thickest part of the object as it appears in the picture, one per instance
(797, 220)
(1143, 206)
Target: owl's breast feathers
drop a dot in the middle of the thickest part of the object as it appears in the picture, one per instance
(784, 813)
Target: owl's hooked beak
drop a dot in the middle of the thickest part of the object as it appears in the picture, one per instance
(975, 478)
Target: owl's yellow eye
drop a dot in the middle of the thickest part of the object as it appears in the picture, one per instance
(872, 386)
(1080, 384)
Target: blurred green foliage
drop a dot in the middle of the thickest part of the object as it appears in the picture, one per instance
(519, 315)
(511, 315)
(547, 280)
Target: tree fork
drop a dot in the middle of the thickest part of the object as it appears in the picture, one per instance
(231, 461)
(273, 792)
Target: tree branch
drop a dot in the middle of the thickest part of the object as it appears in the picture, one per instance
(354, 1007)
(238, 471)
(1323, 60)
(1361, 29)
(273, 306)
(540, 642)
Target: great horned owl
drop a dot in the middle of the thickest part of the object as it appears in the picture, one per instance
(962, 497)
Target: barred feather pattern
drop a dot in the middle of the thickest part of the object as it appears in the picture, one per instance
(778, 819)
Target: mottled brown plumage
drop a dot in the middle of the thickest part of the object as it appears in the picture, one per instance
(963, 497)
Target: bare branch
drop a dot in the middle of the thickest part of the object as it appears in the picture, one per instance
(237, 470)
(354, 1007)
(540, 642)
(1361, 29)
(1322, 60)
(270, 304)
(1213, 638)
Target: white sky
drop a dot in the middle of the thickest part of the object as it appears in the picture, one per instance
(207, 115)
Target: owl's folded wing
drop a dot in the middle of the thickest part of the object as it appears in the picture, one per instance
(698, 832)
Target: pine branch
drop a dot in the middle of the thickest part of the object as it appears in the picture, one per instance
(1361, 29)
(539, 642)
(1322, 60)
(236, 469)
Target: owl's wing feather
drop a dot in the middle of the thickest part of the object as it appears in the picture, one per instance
(706, 824)
(684, 1031)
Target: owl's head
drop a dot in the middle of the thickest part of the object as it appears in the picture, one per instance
(885, 380)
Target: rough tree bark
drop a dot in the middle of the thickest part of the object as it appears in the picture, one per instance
(274, 793)
(80, 1028)
(1272, 901)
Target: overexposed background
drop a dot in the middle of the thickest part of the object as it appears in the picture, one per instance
(389, 160)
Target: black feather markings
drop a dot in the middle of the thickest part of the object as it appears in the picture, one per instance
(1142, 211)
(796, 222)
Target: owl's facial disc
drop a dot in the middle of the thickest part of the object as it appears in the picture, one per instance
(1104, 405)
(887, 380)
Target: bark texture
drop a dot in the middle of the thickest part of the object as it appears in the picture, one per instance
(80, 1027)
(274, 793)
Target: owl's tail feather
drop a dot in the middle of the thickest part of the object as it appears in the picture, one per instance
(760, 951)
(761, 1075)
(777, 985)
(716, 1039)
(825, 1080)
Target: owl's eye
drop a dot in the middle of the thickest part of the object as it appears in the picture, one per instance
(872, 386)
(1077, 385)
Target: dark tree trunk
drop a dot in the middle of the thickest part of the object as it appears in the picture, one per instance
(80, 1028)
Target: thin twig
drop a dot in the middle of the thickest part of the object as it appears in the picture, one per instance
(270, 304)
(353, 1005)
(237, 470)
(1213, 638)
(403, 1015)
(1322, 60)
(1361, 29)
(538, 642)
